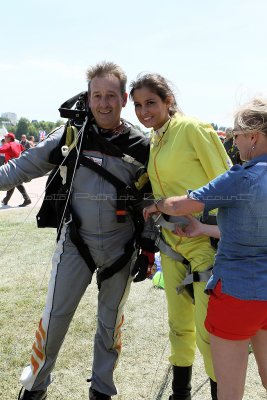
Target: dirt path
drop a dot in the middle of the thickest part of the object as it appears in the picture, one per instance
(35, 190)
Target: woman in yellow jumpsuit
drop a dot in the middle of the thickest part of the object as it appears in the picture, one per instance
(185, 153)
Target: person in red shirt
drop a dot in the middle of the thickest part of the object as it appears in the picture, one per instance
(12, 149)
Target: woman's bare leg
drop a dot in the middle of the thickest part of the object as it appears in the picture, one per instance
(230, 360)
(259, 344)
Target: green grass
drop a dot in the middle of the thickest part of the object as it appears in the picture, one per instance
(25, 269)
(25, 254)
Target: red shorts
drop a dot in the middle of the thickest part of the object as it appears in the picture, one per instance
(234, 319)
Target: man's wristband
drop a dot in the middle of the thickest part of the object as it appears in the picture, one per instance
(156, 202)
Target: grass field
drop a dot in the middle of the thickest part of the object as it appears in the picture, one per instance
(143, 371)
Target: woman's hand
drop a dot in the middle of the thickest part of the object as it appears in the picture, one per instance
(148, 211)
(176, 206)
(192, 229)
(197, 228)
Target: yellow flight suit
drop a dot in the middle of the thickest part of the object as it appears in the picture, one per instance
(186, 154)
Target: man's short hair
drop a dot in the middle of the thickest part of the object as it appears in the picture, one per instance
(107, 68)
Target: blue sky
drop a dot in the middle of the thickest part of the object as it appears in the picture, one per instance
(214, 52)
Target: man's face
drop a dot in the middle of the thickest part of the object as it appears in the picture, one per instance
(23, 138)
(106, 101)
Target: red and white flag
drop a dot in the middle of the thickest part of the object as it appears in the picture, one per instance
(42, 135)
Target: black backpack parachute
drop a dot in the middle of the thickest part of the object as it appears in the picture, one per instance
(51, 213)
(76, 109)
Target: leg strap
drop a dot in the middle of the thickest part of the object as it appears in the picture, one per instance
(117, 265)
(187, 283)
(81, 246)
(166, 249)
(194, 277)
(86, 255)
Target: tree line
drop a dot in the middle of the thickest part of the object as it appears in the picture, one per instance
(32, 128)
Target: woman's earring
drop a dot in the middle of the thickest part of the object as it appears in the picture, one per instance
(253, 147)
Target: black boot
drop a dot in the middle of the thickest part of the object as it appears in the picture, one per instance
(25, 195)
(213, 389)
(8, 196)
(181, 384)
(25, 203)
(95, 395)
(33, 395)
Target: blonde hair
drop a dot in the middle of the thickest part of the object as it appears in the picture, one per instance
(252, 116)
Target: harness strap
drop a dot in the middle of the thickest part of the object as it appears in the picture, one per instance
(89, 163)
(123, 190)
(166, 249)
(169, 222)
(81, 245)
(194, 276)
(72, 137)
(86, 255)
(117, 265)
(74, 224)
(119, 185)
(112, 149)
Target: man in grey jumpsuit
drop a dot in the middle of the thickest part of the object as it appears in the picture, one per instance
(100, 230)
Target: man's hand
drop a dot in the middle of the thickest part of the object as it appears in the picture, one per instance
(144, 266)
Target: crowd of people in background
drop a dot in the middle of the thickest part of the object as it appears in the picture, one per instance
(12, 149)
(231, 148)
(27, 143)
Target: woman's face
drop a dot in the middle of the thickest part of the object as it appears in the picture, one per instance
(243, 142)
(150, 109)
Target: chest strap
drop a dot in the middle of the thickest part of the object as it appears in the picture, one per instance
(124, 191)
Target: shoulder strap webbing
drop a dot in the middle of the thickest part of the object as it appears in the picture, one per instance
(89, 163)
(124, 191)
(112, 148)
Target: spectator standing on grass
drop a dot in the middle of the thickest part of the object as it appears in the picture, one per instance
(184, 153)
(231, 148)
(25, 142)
(31, 141)
(100, 235)
(11, 149)
(237, 310)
